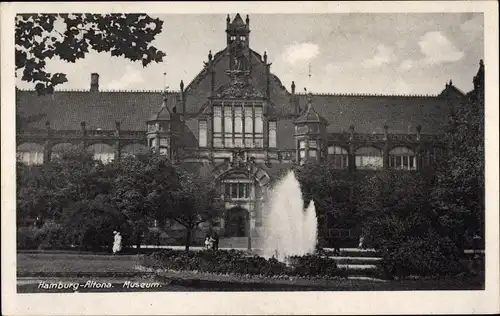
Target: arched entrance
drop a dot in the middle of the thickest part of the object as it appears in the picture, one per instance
(237, 222)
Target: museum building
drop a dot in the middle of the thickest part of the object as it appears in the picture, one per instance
(236, 118)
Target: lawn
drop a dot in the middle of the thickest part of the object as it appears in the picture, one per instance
(79, 267)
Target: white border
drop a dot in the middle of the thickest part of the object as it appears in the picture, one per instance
(425, 302)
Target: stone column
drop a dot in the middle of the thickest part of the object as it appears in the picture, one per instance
(386, 148)
(418, 152)
(47, 148)
(83, 127)
(118, 151)
(352, 154)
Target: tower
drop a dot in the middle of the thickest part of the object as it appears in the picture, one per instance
(238, 43)
(163, 130)
(310, 135)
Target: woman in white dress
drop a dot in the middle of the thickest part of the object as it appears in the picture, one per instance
(117, 245)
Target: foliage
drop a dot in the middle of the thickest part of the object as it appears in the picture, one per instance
(394, 204)
(239, 263)
(330, 190)
(196, 200)
(89, 224)
(44, 191)
(137, 183)
(428, 255)
(458, 195)
(70, 37)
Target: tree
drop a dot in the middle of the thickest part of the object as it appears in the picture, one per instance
(141, 191)
(43, 191)
(70, 37)
(196, 201)
(458, 195)
(394, 205)
(330, 189)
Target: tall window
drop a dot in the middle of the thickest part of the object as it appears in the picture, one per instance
(402, 158)
(248, 126)
(228, 127)
(217, 126)
(313, 148)
(302, 151)
(272, 134)
(369, 158)
(243, 125)
(339, 157)
(238, 127)
(202, 133)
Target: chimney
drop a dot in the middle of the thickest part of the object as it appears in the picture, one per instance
(94, 82)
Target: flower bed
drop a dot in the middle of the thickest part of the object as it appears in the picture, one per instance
(240, 263)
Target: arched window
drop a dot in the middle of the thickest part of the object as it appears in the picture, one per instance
(369, 158)
(133, 149)
(402, 158)
(338, 156)
(59, 149)
(30, 153)
(102, 152)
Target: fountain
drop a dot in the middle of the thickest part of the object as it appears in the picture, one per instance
(288, 230)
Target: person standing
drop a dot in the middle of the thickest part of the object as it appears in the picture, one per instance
(216, 241)
(208, 243)
(361, 242)
(117, 244)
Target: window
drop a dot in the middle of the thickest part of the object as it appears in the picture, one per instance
(338, 156)
(302, 151)
(242, 38)
(237, 190)
(369, 158)
(30, 153)
(228, 127)
(103, 152)
(217, 126)
(272, 134)
(238, 127)
(402, 158)
(242, 125)
(202, 133)
(248, 126)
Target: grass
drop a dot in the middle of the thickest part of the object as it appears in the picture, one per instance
(33, 267)
(29, 263)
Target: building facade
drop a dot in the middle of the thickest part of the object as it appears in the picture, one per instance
(238, 120)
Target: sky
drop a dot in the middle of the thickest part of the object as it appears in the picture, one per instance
(374, 53)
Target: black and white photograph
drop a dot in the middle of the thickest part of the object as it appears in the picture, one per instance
(318, 151)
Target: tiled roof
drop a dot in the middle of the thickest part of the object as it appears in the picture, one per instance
(66, 109)
(369, 113)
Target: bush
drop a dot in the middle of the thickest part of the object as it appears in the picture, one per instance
(239, 263)
(26, 238)
(50, 236)
(427, 256)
